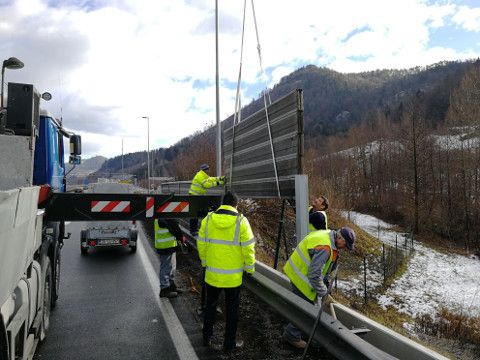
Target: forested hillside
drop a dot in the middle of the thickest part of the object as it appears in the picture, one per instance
(334, 102)
(402, 144)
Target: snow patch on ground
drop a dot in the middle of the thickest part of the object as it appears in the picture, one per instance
(433, 279)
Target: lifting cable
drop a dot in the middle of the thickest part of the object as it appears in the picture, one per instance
(238, 107)
(238, 111)
(265, 93)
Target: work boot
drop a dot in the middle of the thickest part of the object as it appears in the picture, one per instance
(212, 344)
(174, 287)
(296, 343)
(168, 293)
(238, 345)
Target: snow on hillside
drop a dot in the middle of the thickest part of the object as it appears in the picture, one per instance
(467, 137)
(433, 279)
(455, 142)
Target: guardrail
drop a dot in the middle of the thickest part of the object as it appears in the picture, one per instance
(344, 333)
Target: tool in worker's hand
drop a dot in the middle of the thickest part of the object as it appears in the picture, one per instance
(317, 319)
(183, 245)
(193, 289)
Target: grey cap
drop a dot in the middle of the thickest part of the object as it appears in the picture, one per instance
(204, 167)
(349, 236)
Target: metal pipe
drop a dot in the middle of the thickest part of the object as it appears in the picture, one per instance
(217, 98)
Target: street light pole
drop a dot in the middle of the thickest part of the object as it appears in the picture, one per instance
(10, 63)
(217, 98)
(148, 150)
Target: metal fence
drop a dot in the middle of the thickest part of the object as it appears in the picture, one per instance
(377, 270)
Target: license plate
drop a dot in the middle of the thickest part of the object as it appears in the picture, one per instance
(109, 242)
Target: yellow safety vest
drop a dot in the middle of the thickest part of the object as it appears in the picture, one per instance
(201, 182)
(163, 238)
(226, 247)
(298, 264)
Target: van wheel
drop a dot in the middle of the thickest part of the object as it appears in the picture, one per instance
(133, 237)
(47, 300)
(83, 239)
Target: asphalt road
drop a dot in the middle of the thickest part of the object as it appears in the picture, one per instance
(109, 308)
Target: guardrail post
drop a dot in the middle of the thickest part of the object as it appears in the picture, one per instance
(301, 205)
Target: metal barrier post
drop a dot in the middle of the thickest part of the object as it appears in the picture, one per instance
(301, 205)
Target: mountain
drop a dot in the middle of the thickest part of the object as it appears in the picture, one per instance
(333, 102)
(87, 167)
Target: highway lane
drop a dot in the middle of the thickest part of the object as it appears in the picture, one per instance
(109, 308)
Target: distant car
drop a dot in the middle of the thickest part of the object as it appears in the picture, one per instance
(109, 233)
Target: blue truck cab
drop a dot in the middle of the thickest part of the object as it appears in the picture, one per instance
(49, 162)
(23, 122)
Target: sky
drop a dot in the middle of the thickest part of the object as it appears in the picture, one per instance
(109, 63)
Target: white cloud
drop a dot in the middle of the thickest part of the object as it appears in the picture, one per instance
(108, 67)
(468, 18)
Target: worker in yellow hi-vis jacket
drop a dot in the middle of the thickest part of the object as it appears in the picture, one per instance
(226, 247)
(200, 183)
(319, 206)
(310, 263)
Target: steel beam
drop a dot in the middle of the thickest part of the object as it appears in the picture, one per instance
(93, 207)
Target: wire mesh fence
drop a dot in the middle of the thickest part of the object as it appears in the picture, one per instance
(370, 275)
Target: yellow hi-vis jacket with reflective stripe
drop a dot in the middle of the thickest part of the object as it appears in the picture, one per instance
(226, 247)
(298, 264)
(163, 238)
(201, 182)
(310, 226)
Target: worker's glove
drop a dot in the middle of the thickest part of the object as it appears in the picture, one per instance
(329, 300)
(221, 180)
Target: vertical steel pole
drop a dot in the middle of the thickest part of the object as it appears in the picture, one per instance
(301, 205)
(217, 84)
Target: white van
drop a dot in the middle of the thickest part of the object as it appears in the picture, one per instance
(109, 233)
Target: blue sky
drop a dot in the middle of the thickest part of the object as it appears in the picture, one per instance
(107, 63)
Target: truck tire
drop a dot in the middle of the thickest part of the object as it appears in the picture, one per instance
(54, 254)
(133, 237)
(3, 340)
(47, 299)
(83, 238)
(56, 274)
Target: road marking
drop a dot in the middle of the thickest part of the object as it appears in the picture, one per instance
(177, 333)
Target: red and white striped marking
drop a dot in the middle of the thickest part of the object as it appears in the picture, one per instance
(110, 206)
(174, 206)
(149, 207)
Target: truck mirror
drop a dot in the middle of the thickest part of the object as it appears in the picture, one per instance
(75, 145)
(75, 159)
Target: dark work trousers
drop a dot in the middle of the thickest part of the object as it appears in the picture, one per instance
(194, 226)
(291, 331)
(232, 302)
(194, 222)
